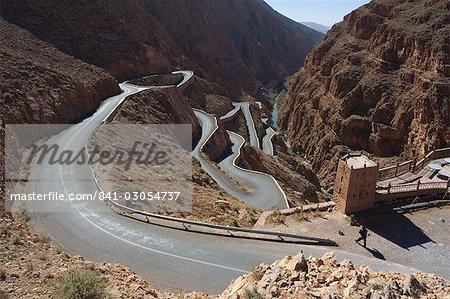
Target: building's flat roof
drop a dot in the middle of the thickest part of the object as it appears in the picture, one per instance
(359, 161)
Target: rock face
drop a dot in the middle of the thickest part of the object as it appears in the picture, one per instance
(239, 44)
(300, 277)
(378, 82)
(39, 84)
(158, 106)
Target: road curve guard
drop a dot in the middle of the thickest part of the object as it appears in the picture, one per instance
(252, 232)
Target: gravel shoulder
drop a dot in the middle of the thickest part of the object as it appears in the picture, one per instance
(418, 240)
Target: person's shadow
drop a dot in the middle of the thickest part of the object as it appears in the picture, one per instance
(374, 252)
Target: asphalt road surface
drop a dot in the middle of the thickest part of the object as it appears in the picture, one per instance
(167, 258)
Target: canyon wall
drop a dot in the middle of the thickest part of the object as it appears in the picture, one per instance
(239, 44)
(379, 82)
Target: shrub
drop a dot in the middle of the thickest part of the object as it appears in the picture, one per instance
(29, 266)
(8, 97)
(2, 274)
(15, 239)
(43, 239)
(80, 284)
(3, 295)
(257, 274)
(252, 294)
(235, 223)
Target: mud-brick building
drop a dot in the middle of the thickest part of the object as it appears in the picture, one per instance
(355, 185)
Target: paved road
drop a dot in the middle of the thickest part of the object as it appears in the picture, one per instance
(230, 113)
(267, 145)
(252, 134)
(167, 258)
(264, 191)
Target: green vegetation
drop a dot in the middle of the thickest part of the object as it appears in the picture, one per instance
(252, 294)
(2, 275)
(15, 239)
(29, 266)
(80, 284)
(3, 295)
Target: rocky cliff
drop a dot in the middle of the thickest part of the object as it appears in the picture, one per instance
(301, 277)
(240, 44)
(378, 82)
(39, 84)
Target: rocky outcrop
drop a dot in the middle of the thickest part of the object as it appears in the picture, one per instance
(378, 82)
(39, 84)
(219, 145)
(238, 44)
(298, 181)
(300, 277)
(158, 106)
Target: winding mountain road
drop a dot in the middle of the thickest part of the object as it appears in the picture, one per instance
(264, 193)
(267, 145)
(167, 258)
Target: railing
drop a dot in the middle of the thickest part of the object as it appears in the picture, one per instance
(436, 154)
(254, 232)
(411, 165)
(417, 187)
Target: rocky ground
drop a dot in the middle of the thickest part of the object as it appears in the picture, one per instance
(30, 266)
(301, 277)
(395, 237)
(378, 82)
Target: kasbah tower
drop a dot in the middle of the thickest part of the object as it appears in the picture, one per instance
(355, 185)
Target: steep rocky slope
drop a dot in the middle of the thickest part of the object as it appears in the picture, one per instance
(209, 202)
(300, 277)
(240, 44)
(378, 82)
(298, 181)
(39, 84)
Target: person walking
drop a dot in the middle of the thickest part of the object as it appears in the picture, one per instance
(362, 236)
